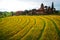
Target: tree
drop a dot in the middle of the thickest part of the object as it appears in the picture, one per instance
(12, 13)
(25, 12)
(1, 14)
(33, 11)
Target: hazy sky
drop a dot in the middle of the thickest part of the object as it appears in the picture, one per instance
(15, 5)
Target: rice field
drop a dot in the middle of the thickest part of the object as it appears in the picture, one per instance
(45, 27)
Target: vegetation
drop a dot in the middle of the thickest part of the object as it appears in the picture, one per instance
(6, 14)
(30, 28)
(26, 12)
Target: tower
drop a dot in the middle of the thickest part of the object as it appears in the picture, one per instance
(52, 5)
(42, 6)
(52, 8)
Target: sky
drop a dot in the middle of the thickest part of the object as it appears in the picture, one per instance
(16, 5)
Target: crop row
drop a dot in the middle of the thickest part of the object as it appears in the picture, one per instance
(30, 28)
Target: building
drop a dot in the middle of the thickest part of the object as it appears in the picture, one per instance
(18, 13)
(45, 9)
(42, 10)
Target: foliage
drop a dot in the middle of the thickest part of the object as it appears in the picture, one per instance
(6, 14)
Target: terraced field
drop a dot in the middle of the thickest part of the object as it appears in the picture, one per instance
(30, 28)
